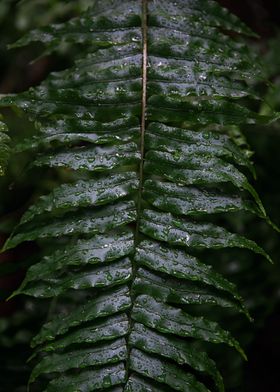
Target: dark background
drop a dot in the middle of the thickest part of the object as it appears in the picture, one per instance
(259, 283)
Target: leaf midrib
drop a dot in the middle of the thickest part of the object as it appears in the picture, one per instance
(141, 166)
(143, 111)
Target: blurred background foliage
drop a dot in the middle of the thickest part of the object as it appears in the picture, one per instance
(258, 282)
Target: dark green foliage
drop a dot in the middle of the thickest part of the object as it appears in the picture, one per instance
(4, 147)
(126, 235)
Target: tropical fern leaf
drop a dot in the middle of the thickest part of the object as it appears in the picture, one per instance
(145, 119)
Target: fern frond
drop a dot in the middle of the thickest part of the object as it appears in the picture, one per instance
(144, 118)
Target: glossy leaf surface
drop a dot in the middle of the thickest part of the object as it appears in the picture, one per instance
(142, 126)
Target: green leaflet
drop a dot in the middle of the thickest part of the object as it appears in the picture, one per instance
(214, 15)
(70, 131)
(85, 222)
(200, 112)
(108, 329)
(177, 263)
(103, 377)
(105, 305)
(91, 27)
(99, 277)
(165, 227)
(147, 116)
(173, 139)
(194, 171)
(181, 352)
(193, 201)
(97, 250)
(84, 194)
(164, 372)
(168, 319)
(92, 159)
(104, 354)
(178, 292)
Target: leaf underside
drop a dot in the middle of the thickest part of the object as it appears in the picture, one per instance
(127, 235)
